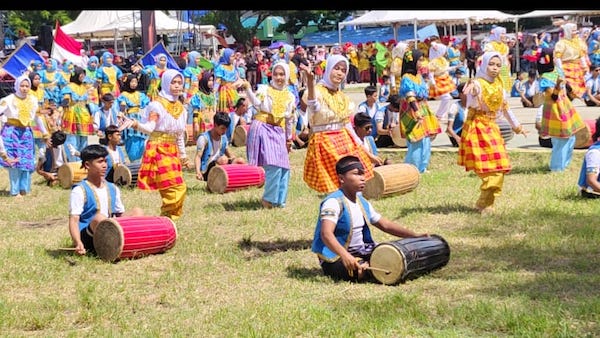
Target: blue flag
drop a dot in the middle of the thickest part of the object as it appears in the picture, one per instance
(427, 31)
(18, 62)
(159, 48)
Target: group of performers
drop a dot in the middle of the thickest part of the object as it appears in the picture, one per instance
(154, 127)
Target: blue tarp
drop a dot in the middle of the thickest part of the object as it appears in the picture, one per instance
(359, 35)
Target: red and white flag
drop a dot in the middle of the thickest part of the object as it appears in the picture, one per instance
(65, 47)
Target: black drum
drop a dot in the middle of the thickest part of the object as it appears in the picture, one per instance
(408, 258)
(505, 130)
(124, 175)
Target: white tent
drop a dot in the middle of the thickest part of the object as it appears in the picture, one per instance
(121, 23)
(426, 17)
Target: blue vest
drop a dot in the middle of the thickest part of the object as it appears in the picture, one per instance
(103, 121)
(372, 144)
(90, 207)
(582, 174)
(459, 120)
(109, 160)
(343, 228)
(209, 149)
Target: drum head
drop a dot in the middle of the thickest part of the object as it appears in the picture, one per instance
(389, 262)
(122, 176)
(239, 136)
(109, 240)
(375, 186)
(217, 180)
(397, 137)
(66, 175)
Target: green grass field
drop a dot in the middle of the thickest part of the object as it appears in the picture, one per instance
(237, 270)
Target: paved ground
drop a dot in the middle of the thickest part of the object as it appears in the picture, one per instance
(525, 115)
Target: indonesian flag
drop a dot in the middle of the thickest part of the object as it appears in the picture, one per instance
(65, 47)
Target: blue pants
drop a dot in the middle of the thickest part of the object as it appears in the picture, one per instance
(79, 142)
(20, 181)
(134, 147)
(562, 152)
(276, 185)
(419, 153)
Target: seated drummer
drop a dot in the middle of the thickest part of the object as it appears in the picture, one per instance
(363, 126)
(589, 176)
(209, 154)
(84, 212)
(112, 142)
(345, 215)
(54, 157)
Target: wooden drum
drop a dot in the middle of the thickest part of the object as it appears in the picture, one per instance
(70, 174)
(397, 137)
(231, 177)
(408, 258)
(125, 175)
(392, 179)
(583, 137)
(240, 133)
(134, 237)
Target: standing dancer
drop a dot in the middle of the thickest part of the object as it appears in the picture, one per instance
(271, 133)
(132, 103)
(482, 147)
(570, 55)
(333, 136)
(164, 120)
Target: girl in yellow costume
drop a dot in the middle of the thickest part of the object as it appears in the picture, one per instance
(497, 43)
(333, 137)
(165, 120)
(570, 55)
(482, 147)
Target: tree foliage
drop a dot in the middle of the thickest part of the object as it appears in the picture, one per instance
(31, 22)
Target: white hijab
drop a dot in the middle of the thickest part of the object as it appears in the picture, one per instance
(18, 85)
(332, 60)
(485, 60)
(165, 84)
(286, 70)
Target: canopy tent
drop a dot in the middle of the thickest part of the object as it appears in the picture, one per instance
(356, 36)
(425, 17)
(110, 24)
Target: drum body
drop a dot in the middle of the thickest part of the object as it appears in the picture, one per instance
(125, 175)
(134, 236)
(583, 137)
(231, 177)
(240, 133)
(397, 138)
(505, 130)
(71, 173)
(408, 258)
(392, 179)
(189, 137)
(538, 99)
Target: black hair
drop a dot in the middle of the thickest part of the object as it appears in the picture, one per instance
(107, 132)
(92, 152)
(222, 119)
(341, 167)
(394, 101)
(240, 102)
(369, 90)
(108, 97)
(596, 134)
(57, 138)
(362, 119)
(77, 71)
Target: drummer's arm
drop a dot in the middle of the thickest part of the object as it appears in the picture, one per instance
(75, 235)
(328, 236)
(396, 229)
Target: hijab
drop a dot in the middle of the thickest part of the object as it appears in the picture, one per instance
(496, 33)
(545, 62)
(286, 70)
(17, 85)
(92, 59)
(166, 79)
(569, 30)
(437, 50)
(332, 61)
(226, 56)
(32, 76)
(157, 58)
(127, 83)
(409, 61)
(192, 57)
(203, 83)
(77, 71)
(485, 60)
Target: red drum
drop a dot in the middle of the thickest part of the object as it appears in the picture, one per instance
(240, 133)
(231, 177)
(408, 258)
(134, 236)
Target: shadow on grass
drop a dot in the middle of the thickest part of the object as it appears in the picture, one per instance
(444, 209)
(302, 273)
(256, 249)
(541, 168)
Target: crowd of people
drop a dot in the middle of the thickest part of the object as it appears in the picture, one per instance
(150, 114)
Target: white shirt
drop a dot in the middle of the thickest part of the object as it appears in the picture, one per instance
(77, 200)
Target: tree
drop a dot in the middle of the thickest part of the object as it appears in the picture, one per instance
(31, 22)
